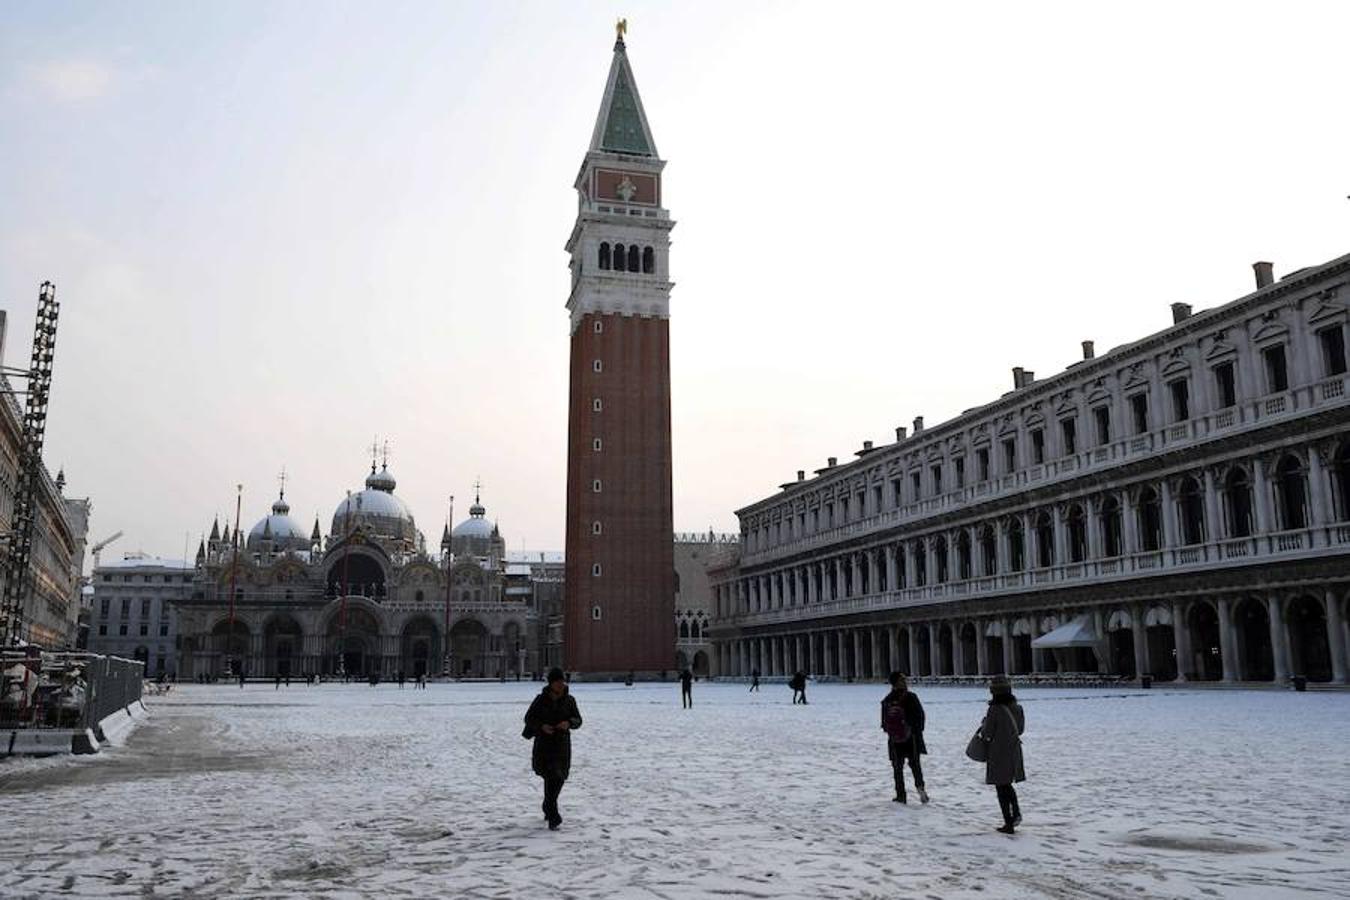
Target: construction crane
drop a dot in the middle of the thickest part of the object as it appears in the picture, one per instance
(101, 544)
(18, 578)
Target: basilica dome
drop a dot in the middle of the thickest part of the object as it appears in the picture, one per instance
(477, 525)
(476, 535)
(284, 532)
(375, 509)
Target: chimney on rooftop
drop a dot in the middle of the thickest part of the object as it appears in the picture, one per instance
(801, 474)
(831, 462)
(1089, 350)
(867, 445)
(918, 424)
(1265, 274)
(901, 432)
(1180, 312)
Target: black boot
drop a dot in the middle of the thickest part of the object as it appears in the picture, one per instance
(1016, 809)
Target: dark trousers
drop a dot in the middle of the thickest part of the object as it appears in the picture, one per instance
(1007, 802)
(901, 754)
(552, 788)
(686, 697)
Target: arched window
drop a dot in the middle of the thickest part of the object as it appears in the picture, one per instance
(920, 564)
(604, 255)
(940, 558)
(634, 258)
(684, 630)
(989, 550)
(619, 258)
(963, 555)
(1077, 534)
(1150, 520)
(1291, 492)
(1111, 536)
(1191, 505)
(1340, 473)
(1237, 496)
(1017, 546)
(418, 596)
(696, 630)
(648, 260)
(1045, 540)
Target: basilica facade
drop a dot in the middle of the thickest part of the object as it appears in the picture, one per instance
(1178, 507)
(367, 599)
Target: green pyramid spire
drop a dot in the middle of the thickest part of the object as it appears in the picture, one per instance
(623, 126)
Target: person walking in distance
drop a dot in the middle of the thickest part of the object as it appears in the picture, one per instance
(754, 679)
(686, 689)
(550, 721)
(902, 718)
(798, 685)
(1001, 730)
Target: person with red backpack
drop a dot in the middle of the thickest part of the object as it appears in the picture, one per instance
(902, 719)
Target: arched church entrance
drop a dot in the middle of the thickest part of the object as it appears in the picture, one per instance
(355, 641)
(1207, 664)
(468, 648)
(420, 647)
(282, 646)
(1309, 648)
(1162, 643)
(1256, 660)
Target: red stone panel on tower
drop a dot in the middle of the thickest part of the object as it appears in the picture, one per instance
(620, 588)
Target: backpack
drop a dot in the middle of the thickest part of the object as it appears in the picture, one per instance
(893, 720)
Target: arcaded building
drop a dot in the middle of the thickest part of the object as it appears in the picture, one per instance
(369, 598)
(1177, 507)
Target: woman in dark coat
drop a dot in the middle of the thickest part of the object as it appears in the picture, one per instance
(906, 751)
(1002, 727)
(551, 719)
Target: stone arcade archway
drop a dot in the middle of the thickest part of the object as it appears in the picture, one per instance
(1251, 626)
(970, 662)
(1120, 644)
(354, 639)
(1309, 649)
(420, 650)
(1206, 663)
(1162, 643)
(469, 646)
(231, 647)
(283, 646)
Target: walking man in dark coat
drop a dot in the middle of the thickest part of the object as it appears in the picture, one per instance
(798, 685)
(1001, 729)
(909, 749)
(550, 721)
(686, 689)
(754, 679)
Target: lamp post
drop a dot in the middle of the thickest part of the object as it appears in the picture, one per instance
(449, 561)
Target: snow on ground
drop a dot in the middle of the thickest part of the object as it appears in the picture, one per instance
(347, 791)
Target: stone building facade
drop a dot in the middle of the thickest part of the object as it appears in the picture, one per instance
(367, 599)
(694, 553)
(1177, 507)
(133, 615)
(56, 563)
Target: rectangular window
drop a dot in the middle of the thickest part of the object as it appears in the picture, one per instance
(1103, 416)
(145, 629)
(1225, 381)
(843, 509)
(829, 515)
(1139, 412)
(1277, 374)
(982, 463)
(164, 629)
(1333, 350)
(916, 482)
(1181, 399)
(1009, 455)
(103, 630)
(597, 366)
(862, 504)
(168, 579)
(815, 520)
(599, 326)
(595, 571)
(960, 465)
(596, 444)
(596, 405)
(122, 629)
(103, 607)
(1038, 446)
(897, 495)
(937, 479)
(876, 499)
(145, 608)
(595, 486)
(126, 607)
(1068, 431)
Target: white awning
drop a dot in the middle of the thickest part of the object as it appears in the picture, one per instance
(1078, 633)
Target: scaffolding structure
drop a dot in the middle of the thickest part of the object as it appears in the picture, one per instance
(28, 484)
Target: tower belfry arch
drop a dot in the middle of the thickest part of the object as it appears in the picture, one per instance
(619, 613)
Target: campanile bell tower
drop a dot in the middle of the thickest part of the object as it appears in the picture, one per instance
(620, 589)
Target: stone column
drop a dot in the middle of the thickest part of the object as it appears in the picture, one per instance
(876, 653)
(841, 638)
(858, 671)
(837, 589)
(827, 648)
(913, 650)
(1169, 510)
(1181, 639)
(934, 656)
(1227, 644)
(1141, 660)
(893, 647)
(1265, 520)
(1318, 494)
(1001, 538)
(929, 561)
(1129, 524)
(1278, 638)
(981, 648)
(1007, 647)
(1213, 521)
(911, 556)
(1092, 524)
(1335, 637)
(1106, 663)
(958, 650)
(892, 569)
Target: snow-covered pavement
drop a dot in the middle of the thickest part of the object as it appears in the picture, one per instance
(352, 791)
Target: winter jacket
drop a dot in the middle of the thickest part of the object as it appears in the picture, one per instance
(552, 754)
(914, 716)
(1004, 765)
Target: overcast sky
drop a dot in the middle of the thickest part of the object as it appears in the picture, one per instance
(279, 230)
